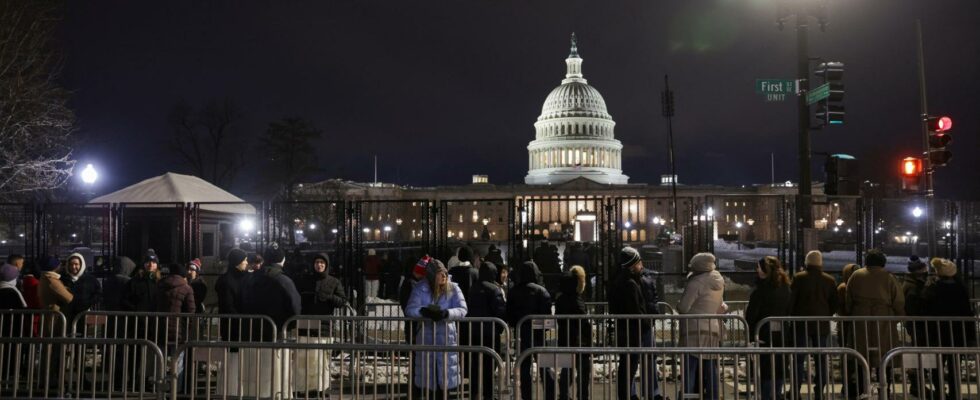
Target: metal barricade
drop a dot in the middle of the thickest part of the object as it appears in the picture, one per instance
(383, 310)
(714, 330)
(32, 323)
(168, 331)
(931, 373)
(602, 307)
(275, 370)
(690, 373)
(78, 368)
(737, 307)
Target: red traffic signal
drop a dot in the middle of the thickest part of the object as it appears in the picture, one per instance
(911, 167)
(939, 124)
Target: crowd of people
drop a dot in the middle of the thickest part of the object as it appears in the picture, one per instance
(483, 286)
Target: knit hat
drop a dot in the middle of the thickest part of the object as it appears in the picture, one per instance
(944, 268)
(194, 265)
(702, 262)
(432, 268)
(235, 257)
(915, 264)
(875, 258)
(814, 259)
(151, 255)
(465, 254)
(420, 267)
(273, 254)
(9, 273)
(628, 257)
(50, 263)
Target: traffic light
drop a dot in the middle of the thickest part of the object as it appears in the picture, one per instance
(841, 175)
(939, 138)
(830, 111)
(911, 174)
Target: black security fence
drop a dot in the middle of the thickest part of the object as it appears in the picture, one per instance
(372, 244)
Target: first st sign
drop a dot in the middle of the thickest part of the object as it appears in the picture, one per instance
(775, 89)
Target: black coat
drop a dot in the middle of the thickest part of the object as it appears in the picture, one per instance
(200, 289)
(767, 300)
(271, 293)
(949, 298)
(229, 289)
(86, 292)
(648, 283)
(142, 294)
(13, 325)
(527, 298)
(328, 295)
(114, 288)
(573, 333)
(626, 297)
(486, 299)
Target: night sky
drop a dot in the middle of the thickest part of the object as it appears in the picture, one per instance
(441, 90)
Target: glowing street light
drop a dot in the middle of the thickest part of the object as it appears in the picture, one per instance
(738, 225)
(839, 222)
(89, 175)
(917, 212)
(334, 231)
(312, 227)
(711, 212)
(246, 225)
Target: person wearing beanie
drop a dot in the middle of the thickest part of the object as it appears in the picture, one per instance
(703, 294)
(229, 290)
(814, 294)
(529, 297)
(10, 296)
(142, 291)
(28, 285)
(948, 297)
(626, 297)
(438, 300)
(769, 299)
(464, 274)
(328, 292)
(874, 292)
(85, 289)
(574, 333)
(197, 283)
(270, 292)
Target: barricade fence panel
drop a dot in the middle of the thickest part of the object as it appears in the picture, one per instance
(320, 371)
(32, 323)
(691, 373)
(601, 331)
(931, 373)
(78, 368)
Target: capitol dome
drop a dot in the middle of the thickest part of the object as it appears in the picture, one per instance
(574, 134)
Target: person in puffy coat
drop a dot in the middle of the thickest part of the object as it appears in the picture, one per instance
(703, 294)
(229, 288)
(86, 291)
(528, 297)
(814, 294)
(54, 295)
(769, 299)
(176, 296)
(141, 291)
(270, 292)
(873, 291)
(485, 299)
(440, 301)
(574, 333)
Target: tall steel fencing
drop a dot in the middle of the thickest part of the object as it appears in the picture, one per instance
(931, 373)
(80, 368)
(690, 373)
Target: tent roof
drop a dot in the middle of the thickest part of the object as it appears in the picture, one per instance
(177, 188)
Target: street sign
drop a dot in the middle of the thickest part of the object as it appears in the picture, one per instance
(818, 93)
(775, 89)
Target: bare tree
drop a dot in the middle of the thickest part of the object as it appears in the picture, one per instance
(292, 158)
(204, 139)
(35, 121)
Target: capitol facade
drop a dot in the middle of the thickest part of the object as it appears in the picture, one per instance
(574, 135)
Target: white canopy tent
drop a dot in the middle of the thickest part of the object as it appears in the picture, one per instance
(177, 188)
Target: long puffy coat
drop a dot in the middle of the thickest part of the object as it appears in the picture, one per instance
(176, 296)
(626, 298)
(704, 294)
(486, 299)
(437, 369)
(873, 292)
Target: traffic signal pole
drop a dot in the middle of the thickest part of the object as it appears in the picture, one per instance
(927, 160)
(804, 212)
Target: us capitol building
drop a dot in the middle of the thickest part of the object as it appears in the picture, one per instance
(574, 166)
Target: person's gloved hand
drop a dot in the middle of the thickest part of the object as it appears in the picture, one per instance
(441, 315)
(426, 312)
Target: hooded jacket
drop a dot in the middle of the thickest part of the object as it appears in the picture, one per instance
(573, 333)
(949, 298)
(176, 296)
(142, 292)
(229, 289)
(85, 289)
(465, 275)
(271, 293)
(114, 287)
(626, 298)
(703, 294)
(435, 369)
(328, 294)
(527, 297)
(486, 299)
